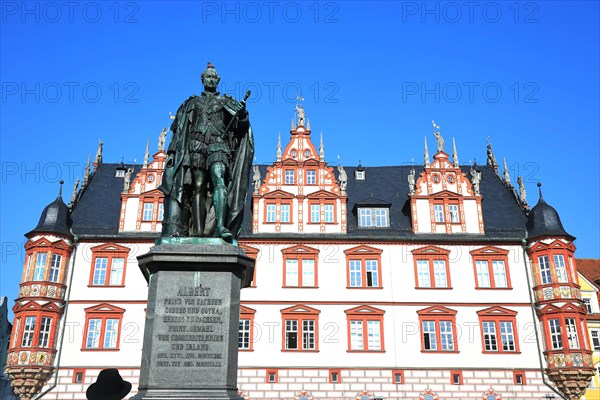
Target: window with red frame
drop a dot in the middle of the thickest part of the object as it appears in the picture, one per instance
(491, 268)
(398, 376)
(78, 375)
(456, 377)
(102, 327)
(45, 261)
(564, 332)
(253, 254)
(300, 328)
(438, 329)
(365, 329)
(498, 330)
(246, 331)
(363, 267)
(335, 376)
(300, 266)
(519, 378)
(432, 268)
(109, 263)
(272, 376)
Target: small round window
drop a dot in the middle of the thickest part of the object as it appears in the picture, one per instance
(293, 152)
(436, 178)
(450, 178)
(307, 153)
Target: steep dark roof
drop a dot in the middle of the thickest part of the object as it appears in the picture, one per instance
(98, 209)
(54, 219)
(544, 221)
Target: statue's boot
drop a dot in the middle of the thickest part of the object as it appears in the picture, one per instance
(221, 210)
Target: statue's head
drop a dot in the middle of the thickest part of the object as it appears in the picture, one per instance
(210, 78)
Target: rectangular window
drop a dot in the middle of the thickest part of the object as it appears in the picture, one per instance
(40, 267)
(483, 274)
(148, 209)
(315, 213)
(355, 273)
(499, 274)
(44, 336)
(28, 330)
(446, 336)
(291, 272)
(572, 336)
(374, 335)
(93, 334)
(373, 217)
(544, 269)
(381, 217)
(489, 336)
(271, 214)
(364, 217)
(111, 333)
(561, 270)
(372, 276)
(116, 271)
(308, 272)
(329, 213)
(308, 335)
(78, 376)
(555, 334)
(398, 377)
(311, 177)
(429, 339)
(439, 213)
(271, 376)
(423, 273)
(519, 377)
(457, 378)
(244, 334)
(334, 376)
(439, 271)
(55, 267)
(100, 271)
(588, 304)
(596, 340)
(507, 336)
(356, 335)
(291, 334)
(285, 213)
(289, 176)
(453, 210)
(161, 211)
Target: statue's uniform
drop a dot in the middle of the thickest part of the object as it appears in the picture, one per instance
(208, 140)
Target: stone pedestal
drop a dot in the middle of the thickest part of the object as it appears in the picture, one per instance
(192, 321)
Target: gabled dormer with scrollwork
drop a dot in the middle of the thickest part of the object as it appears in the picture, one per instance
(443, 199)
(300, 193)
(141, 201)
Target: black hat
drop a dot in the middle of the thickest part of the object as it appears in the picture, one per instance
(108, 386)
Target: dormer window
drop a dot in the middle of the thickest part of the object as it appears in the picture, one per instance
(359, 175)
(373, 217)
(120, 173)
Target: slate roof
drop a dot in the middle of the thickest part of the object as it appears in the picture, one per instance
(99, 206)
(544, 221)
(55, 218)
(97, 212)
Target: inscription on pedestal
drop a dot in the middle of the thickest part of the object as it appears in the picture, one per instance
(193, 322)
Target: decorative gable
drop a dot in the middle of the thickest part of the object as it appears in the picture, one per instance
(497, 311)
(104, 308)
(364, 310)
(300, 193)
(437, 311)
(442, 199)
(300, 309)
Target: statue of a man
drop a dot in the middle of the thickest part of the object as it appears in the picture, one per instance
(440, 140)
(342, 178)
(256, 179)
(411, 181)
(161, 139)
(208, 165)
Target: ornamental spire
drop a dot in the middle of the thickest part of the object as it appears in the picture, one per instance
(98, 159)
(506, 174)
(293, 124)
(491, 158)
(522, 192)
(426, 154)
(321, 150)
(147, 154)
(86, 174)
(454, 154)
(74, 194)
(279, 145)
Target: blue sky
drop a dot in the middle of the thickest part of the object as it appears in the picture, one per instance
(373, 76)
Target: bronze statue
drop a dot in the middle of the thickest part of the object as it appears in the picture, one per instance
(208, 165)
